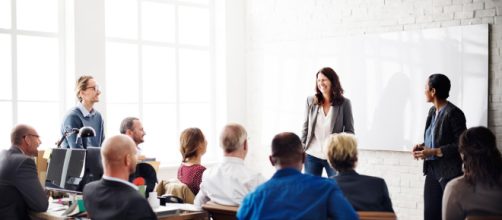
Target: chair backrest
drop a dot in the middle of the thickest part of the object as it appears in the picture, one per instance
(148, 173)
(175, 188)
(483, 217)
(370, 215)
(220, 212)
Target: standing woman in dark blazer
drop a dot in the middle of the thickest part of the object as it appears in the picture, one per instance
(442, 162)
(327, 112)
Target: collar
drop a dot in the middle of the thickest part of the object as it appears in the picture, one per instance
(17, 149)
(233, 160)
(347, 173)
(84, 111)
(286, 172)
(109, 178)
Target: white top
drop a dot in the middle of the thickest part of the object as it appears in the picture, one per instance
(120, 180)
(322, 131)
(227, 183)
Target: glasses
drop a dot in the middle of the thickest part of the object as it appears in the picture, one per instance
(34, 135)
(95, 88)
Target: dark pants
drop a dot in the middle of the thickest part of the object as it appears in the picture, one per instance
(314, 166)
(433, 193)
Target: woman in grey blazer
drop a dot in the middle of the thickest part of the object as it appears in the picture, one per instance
(327, 112)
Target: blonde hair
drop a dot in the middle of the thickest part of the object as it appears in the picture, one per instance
(81, 85)
(341, 151)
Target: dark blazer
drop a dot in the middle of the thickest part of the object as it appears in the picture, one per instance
(107, 199)
(20, 188)
(342, 119)
(365, 193)
(446, 135)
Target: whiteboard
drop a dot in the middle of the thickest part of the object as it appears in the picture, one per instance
(383, 75)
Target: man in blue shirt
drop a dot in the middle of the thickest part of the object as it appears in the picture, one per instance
(289, 194)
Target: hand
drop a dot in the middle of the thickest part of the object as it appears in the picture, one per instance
(427, 152)
(417, 147)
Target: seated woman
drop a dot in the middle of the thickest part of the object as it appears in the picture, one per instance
(479, 191)
(365, 193)
(192, 147)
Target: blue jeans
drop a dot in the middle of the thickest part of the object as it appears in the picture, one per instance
(314, 166)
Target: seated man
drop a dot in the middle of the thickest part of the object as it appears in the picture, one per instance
(228, 182)
(20, 188)
(113, 197)
(365, 193)
(133, 128)
(291, 194)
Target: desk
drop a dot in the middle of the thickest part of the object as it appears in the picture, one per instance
(169, 212)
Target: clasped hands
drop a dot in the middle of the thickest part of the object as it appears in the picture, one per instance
(422, 152)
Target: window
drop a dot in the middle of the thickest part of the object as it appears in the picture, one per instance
(31, 67)
(160, 68)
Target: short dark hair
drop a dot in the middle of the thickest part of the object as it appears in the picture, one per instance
(441, 84)
(482, 159)
(287, 148)
(336, 86)
(127, 124)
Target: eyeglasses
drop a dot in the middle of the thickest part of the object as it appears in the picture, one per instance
(95, 88)
(34, 135)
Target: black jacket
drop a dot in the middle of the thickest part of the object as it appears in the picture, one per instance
(106, 199)
(448, 129)
(365, 193)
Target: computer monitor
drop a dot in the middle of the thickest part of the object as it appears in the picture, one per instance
(65, 170)
(93, 166)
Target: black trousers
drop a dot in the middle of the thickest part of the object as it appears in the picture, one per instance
(433, 193)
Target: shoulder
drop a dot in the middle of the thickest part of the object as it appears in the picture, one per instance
(453, 109)
(312, 100)
(457, 183)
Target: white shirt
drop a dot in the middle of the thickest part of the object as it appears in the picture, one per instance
(322, 131)
(227, 183)
(120, 181)
(84, 111)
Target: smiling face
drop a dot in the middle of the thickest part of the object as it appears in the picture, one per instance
(90, 94)
(323, 84)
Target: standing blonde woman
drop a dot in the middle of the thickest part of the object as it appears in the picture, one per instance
(193, 145)
(327, 112)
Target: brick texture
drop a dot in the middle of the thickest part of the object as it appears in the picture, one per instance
(281, 20)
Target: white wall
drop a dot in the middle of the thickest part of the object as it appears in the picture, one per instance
(270, 22)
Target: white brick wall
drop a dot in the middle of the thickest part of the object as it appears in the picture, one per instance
(269, 21)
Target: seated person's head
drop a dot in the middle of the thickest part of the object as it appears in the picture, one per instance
(482, 159)
(233, 140)
(26, 138)
(119, 155)
(192, 144)
(287, 151)
(132, 127)
(342, 151)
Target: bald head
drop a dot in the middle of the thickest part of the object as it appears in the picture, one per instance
(118, 153)
(25, 138)
(19, 132)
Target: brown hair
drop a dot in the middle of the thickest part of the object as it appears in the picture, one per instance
(336, 87)
(81, 85)
(482, 159)
(190, 140)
